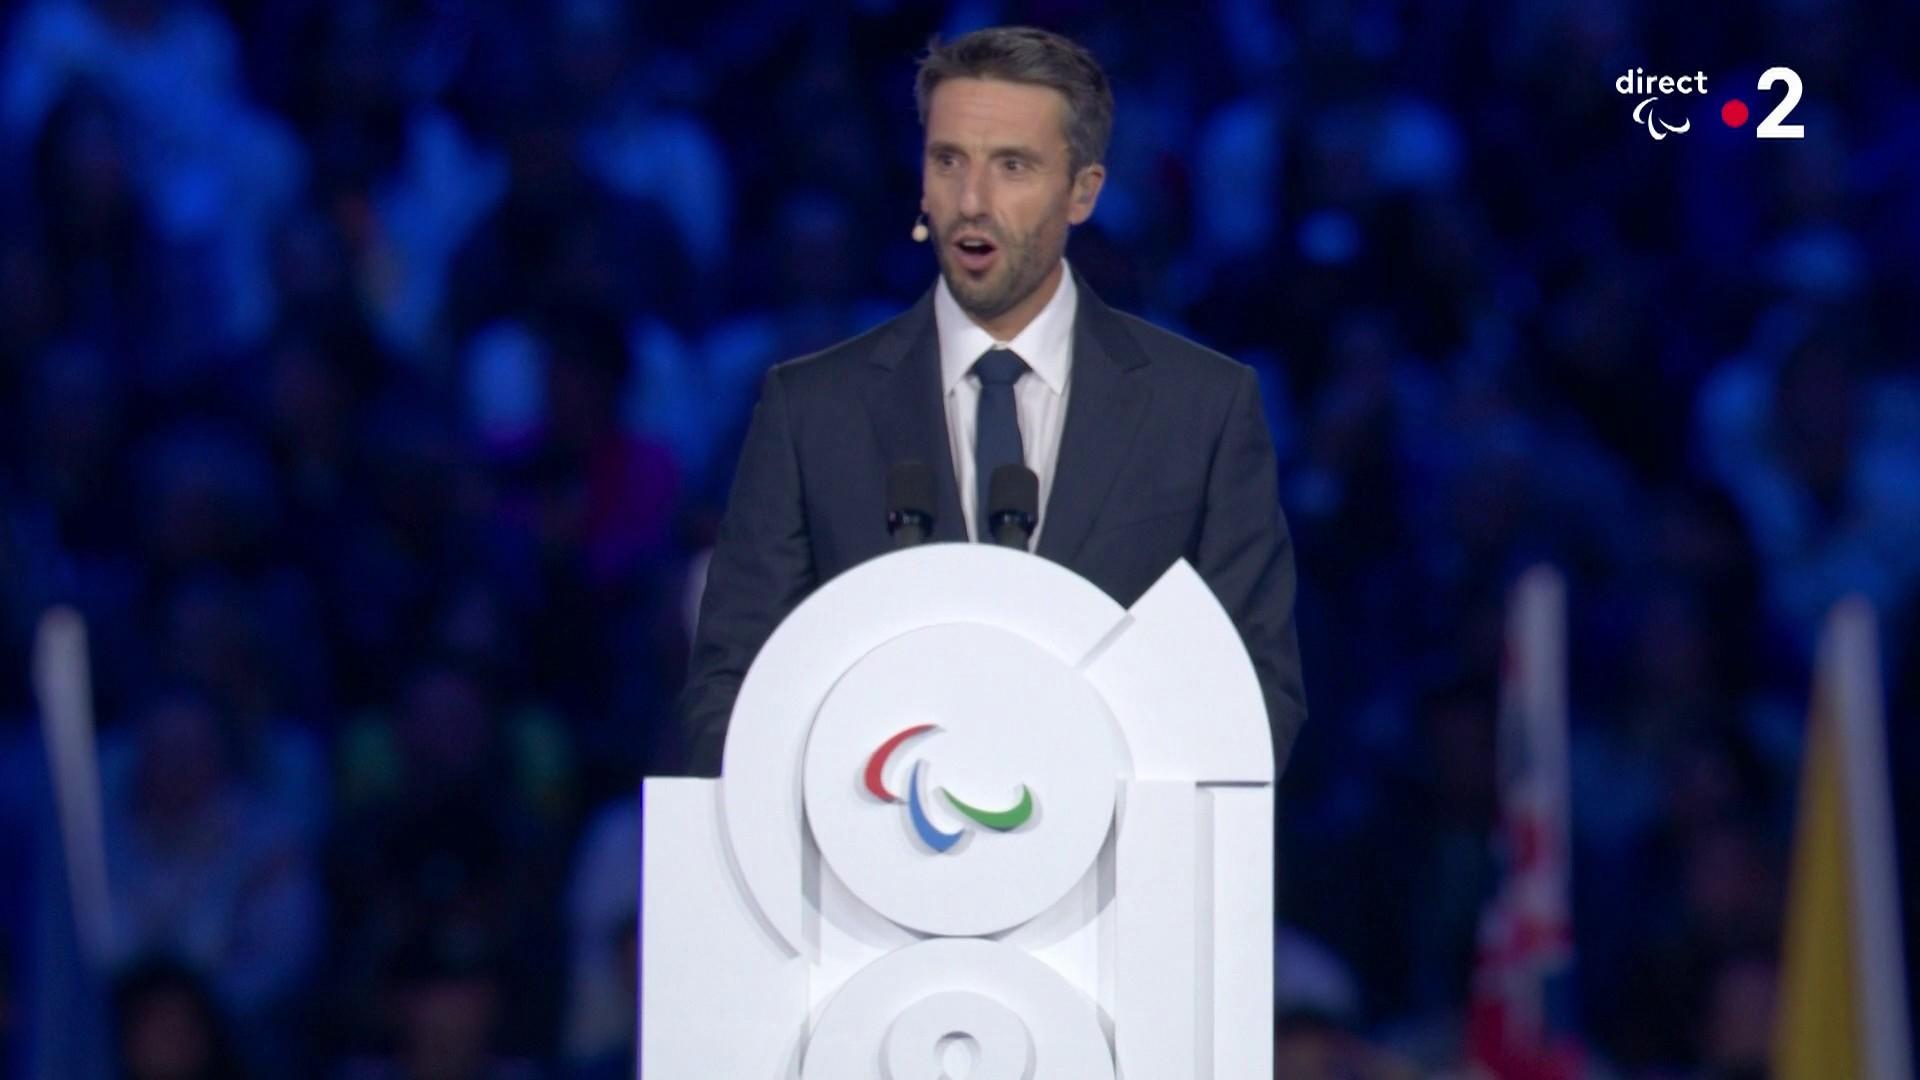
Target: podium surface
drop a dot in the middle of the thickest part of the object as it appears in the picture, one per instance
(975, 819)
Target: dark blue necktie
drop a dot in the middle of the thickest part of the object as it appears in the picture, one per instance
(996, 438)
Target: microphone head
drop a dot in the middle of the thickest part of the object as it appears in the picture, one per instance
(910, 489)
(1014, 489)
(910, 503)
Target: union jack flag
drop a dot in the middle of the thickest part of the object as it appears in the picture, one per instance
(1520, 1016)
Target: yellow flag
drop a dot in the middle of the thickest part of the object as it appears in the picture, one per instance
(1843, 1000)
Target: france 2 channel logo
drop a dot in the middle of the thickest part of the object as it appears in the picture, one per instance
(1655, 114)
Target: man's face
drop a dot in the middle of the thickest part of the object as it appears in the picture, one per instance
(998, 191)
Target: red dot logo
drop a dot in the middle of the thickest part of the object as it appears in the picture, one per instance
(1734, 113)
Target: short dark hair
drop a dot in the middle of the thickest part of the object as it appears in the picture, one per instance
(1024, 54)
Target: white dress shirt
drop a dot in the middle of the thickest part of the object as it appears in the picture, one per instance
(1039, 398)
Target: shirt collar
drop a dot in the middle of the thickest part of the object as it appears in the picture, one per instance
(1046, 344)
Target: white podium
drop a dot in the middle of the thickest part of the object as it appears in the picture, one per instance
(975, 821)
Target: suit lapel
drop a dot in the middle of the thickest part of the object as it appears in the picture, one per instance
(909, 412)
(1104, 409)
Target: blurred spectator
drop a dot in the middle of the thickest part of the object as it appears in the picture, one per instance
(602, 498)
(1739, 1042)
(446, 1003)
(213, 171)
(1307, 1046)
(203, 866)
(453, 810)
(603, 900)
(1818, 447)
(100, 255)
(597, 504)
(633, 137)
(1316, 1012)
(169, 1026)
(216, 636)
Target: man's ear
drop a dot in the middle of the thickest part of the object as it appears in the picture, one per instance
(1086, 192)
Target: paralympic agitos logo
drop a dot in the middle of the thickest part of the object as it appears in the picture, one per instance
(1654, 115)
(937, 839)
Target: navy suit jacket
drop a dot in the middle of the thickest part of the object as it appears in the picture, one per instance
(1165, 454)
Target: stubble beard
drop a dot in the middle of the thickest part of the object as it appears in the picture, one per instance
(1025, 261)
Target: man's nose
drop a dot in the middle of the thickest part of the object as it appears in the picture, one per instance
(973, 192)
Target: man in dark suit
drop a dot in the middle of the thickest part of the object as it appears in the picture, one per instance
(1148, 448)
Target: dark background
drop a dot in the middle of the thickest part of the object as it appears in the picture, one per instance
(371, 377)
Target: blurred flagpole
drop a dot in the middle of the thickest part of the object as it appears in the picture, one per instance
(1520, 1022)
(62, 683)
(1843, 992)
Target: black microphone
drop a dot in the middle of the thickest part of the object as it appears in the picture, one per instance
(910, 503)
(1013, 505)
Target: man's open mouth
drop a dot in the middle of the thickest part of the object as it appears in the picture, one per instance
(975, 252)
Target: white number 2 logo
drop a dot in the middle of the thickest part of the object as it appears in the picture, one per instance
(1771, 127)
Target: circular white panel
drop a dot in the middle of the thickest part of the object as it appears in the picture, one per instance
(1026, 1022)
(960, 779)
(845, 619)
(916, 1043)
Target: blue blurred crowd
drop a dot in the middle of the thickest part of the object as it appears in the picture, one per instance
(371, 375)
